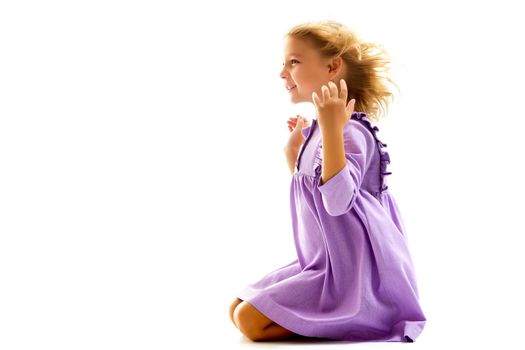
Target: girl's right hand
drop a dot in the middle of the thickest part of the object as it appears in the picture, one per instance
(295, 126)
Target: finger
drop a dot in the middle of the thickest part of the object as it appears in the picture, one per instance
(333, 89)
(326, 92)
(315, 99)
(294, 120)
(350, 107)
(343, 94)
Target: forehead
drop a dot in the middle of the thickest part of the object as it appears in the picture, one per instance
(297, 47)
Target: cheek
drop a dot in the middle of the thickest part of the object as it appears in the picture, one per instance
(313, 79)
(309, 80)
(303, 78)
(309, 85)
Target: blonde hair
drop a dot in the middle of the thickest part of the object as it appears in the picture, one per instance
(368, 64)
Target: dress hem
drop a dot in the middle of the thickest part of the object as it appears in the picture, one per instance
(262, 302)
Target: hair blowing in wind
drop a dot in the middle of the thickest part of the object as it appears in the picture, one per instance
(369, 64)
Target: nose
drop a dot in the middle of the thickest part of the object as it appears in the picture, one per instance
(283, 73)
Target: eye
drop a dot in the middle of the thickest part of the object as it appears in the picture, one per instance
(293, 60)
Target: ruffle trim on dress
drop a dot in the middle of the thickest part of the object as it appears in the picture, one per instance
(384, 156)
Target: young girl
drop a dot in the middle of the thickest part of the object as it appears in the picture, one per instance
(353, 278)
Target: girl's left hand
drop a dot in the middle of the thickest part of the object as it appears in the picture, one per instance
(331, 109)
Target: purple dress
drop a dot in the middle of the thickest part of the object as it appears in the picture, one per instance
(353, 278)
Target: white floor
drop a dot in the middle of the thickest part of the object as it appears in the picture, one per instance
(173, 309)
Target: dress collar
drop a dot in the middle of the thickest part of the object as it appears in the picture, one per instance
(306, 130)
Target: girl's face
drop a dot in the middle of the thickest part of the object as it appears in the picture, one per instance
(304, 70)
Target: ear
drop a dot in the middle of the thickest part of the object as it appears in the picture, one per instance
(335, 65)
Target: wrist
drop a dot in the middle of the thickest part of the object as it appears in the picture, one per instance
(291, 147)
(332, 131)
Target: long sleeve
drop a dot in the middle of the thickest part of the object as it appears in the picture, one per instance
(339, 192)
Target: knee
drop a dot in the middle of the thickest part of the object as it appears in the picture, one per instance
(243, 317)
(234, 305)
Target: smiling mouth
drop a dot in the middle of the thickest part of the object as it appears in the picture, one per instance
(293, 87)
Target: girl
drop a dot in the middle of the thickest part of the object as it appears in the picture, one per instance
(353, 278)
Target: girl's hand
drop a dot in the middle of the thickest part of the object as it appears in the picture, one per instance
(296, 125)
(332, 114)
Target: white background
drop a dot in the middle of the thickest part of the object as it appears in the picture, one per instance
(143, 184)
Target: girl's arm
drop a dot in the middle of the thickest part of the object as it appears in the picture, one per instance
(334, 159)
(351, 155)
(291, 153)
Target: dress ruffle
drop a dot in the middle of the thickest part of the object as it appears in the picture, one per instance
(384, 156)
